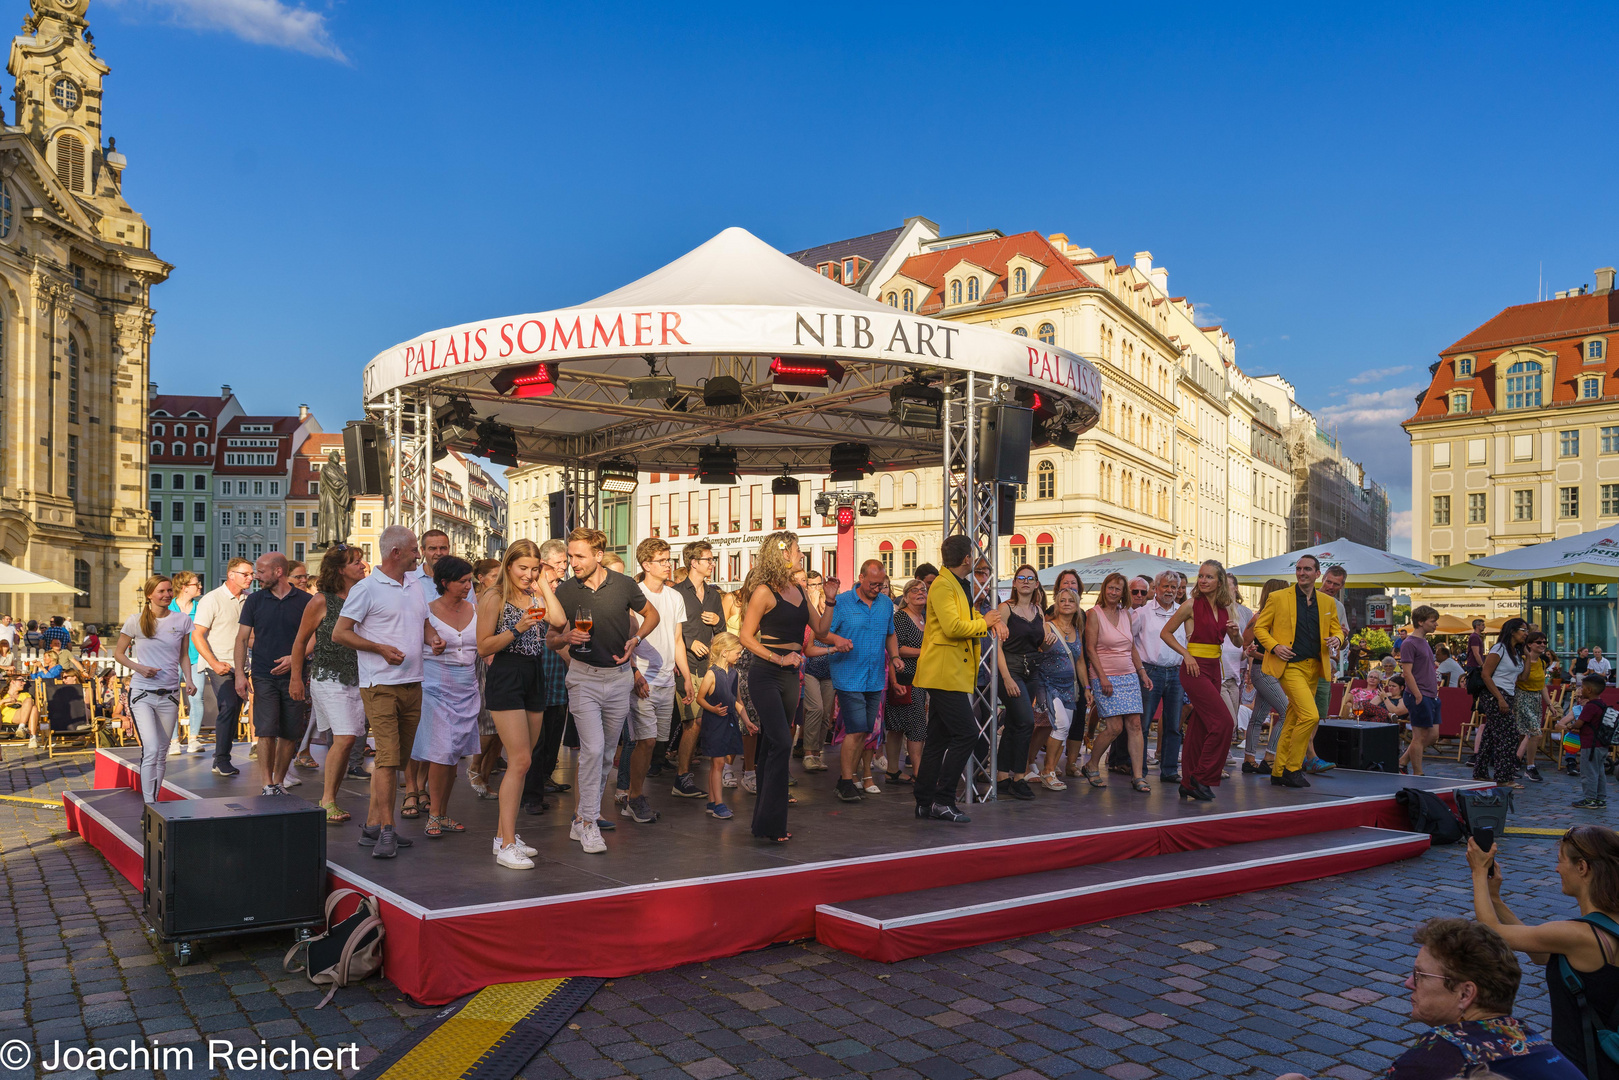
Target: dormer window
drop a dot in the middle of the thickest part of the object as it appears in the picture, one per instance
(157, 429)
(1590, 387)
(972, 289)
(1523, 385)
(849, 270)
(1458, 403)
(1464, 366)
(893, 300)
(907, 301)
(1596, 350)
(1020, 280)
(955, 292)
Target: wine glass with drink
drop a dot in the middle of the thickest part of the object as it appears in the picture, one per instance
(582, 620)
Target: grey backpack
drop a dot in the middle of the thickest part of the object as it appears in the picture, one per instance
(348, 951)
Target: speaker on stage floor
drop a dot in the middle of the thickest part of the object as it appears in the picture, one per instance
(1359, 744)
(1004, 432)
(365, 459)
(214, 866)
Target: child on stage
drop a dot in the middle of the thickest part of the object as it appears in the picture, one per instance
(721, 735)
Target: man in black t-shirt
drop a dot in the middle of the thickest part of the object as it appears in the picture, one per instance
(705, 616)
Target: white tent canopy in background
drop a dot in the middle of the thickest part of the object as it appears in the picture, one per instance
(1095, 568)
(1367, 567)
(726, 308)
(14, 579)
(1591, 557)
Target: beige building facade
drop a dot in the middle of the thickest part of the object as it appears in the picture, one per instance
(76, 271)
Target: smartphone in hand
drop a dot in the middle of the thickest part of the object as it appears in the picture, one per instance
(1484, 837)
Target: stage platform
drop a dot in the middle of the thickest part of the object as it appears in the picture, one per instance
(867, 877)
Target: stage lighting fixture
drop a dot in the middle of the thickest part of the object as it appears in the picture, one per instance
(915, 404)
(850, 461)
(721, 390)
(526, 381)
(845, 516)
(716, 464)
(653, 386)
(865, 503)
(784, 484)
(618, 477)
(1062, 429)
(456, 421)
(497, 442)
(823, 505)
(805, 376)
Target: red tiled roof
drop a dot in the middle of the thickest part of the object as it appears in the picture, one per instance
(177, 405)
(1555, 326)
(1060, 275)
(281, 430)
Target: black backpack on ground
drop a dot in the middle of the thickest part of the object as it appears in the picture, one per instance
(1430, 815)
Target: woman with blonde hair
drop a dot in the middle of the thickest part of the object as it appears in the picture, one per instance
(1212, 613)
(775, 615)
(159, 673)
(187, 591)
(1061, 675)
(1117, 679)
(511, 625)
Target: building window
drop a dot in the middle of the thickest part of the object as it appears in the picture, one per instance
(955, 292)
(258, 549)
(1045, 481)
(298, 551)
(72, 466)
(1464, 365)
(365, 521)
(199, 482)
(907, 559)
(199, 546)
(907, 301)
(224, 552)
(1523, 448)
(1048, 333)
(1523, 504)
(1020, 280)
(1021, 331)
(908, 490)
(81, 582)
(1475, 451)
(1568, 502)
(258, 517)
(72, 379)
(1458, 403)
(224, 517)
(1610, 499)
(885, 555)
(177, 546)
(275, 487)
(735, 561)
(1441, 455)
(972, 288)
(275, 519)
(156, 449)
(893, 299)
(1441, 509)
(199, 450)
(1568, 443)
(297, 519)
(70, 162)
(5, 211)
(157, 510)
(1593, 349)
(1475, 508)
(1523, 385)
(1045, 552)
(178, 512)
(1441, 560)
(258, 488)
(1020, 550)
(1590, 388)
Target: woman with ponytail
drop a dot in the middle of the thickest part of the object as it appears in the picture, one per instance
(159, 635)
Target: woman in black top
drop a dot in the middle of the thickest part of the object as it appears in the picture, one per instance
(1017, 659)
(774, 620)
(1585, 949)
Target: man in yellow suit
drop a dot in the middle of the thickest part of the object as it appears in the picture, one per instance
(1298, 634)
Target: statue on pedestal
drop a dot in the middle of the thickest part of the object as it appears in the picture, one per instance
(336, 508)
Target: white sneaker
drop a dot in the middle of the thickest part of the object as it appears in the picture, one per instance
(271, 789)
(512, 857)
(750, 783)
(291, 781)
(174, 748)
(33, 742)
(194, 747)
(728, 778)
(590, 839)
(517, 842)
(576, 832)
(1152, 759)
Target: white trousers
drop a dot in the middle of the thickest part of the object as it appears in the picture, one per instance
(155, 718)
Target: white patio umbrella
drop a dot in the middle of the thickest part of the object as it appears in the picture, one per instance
(14, 579)
(1367, 567)
(1124, 561)
(1588, 557)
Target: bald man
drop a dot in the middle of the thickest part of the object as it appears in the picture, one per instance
(271, 617)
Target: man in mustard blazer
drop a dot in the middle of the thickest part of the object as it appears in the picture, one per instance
(1298, 633)
(948, 671)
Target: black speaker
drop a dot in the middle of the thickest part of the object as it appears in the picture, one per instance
(1006, 509)
(365, 458)
(231, 865)
(1359, 744)
(562, 519)
(1004, 432)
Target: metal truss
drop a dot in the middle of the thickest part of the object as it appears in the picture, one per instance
(971, 509)
(406, 424)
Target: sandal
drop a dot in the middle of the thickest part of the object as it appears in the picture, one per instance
(335, 815)
(1138, 784)
(304, 761)
(900, 778)
(409, 807)
(778, 839)
(449, 824)
(432, 829)
(479, 788)
(1092, 777)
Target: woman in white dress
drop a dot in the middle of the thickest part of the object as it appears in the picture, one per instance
(450, 698)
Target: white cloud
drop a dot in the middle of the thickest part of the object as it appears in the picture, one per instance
(263, 22)
(1377, 374)
(1400, 524)
(1368, 422)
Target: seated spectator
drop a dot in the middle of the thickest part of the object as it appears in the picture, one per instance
(17, 708)
(1464, 983)
(8, 659)
(1450, 672)
(1384, 669)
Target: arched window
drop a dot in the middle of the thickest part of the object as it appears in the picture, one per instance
(179, 449)
(885, 491)
(893, 300)
(159, 429)
(70, 162)
(907, 301)
(907, 558)
(1020, 550)
(1020, 280)
(202, 431)
(1048, 333)
(180, 430)
(1045, 480)
(81, 582)
(908, 490)
(199, 450)
(1021, 331)
(885, 555)
(5, 211)
(1523, 385)
(972, 288)
(955, 292)
(1045, 552)
(157, 449)
(1146, 495)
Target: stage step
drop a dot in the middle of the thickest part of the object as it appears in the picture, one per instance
(903, 925)
(110, 819)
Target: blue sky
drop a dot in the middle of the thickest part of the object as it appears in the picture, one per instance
(1347, 192)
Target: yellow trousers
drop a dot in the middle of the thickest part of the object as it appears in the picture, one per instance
(1298, 683)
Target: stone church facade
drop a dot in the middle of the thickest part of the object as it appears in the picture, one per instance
(76, 272)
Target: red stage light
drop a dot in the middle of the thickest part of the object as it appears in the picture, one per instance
(845, 516)
(805, 374)
(530, 381)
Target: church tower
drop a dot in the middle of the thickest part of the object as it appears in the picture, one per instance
(76, 270)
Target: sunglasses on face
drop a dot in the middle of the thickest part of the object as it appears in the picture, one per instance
(1138, 592)
(1024, 577)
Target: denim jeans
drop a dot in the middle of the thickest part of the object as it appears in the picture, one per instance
(1166, 689)
(857, 710)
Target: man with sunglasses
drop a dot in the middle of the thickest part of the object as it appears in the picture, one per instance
(213, 633)
(705, 616)
(1163, 665)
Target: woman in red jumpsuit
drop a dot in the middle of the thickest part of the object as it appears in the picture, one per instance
(1208, 735)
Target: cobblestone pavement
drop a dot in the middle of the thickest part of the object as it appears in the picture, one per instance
(1303, 978)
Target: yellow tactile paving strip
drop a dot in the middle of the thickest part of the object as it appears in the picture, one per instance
(462, 1041)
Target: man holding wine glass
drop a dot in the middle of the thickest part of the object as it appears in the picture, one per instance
(597, 603)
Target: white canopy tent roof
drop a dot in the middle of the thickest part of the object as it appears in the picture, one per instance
(14, 579)
(1094, 569)
(1366, 567)
(1590, 557)
(726, 308)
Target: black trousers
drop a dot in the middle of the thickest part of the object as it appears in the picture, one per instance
(1018, 717)
(546, 752)
(951, 734)
(774, 690)
(230, 711)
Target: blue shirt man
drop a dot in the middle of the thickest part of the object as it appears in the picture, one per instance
(865, 648)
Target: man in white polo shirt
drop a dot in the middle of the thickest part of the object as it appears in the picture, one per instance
(1163, 666)
(213, 634)
(384, 620)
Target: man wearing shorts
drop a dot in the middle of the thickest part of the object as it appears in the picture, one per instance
(271, 617)
(1421, 686)
(384, 621)
(864, 650)
(705, 615)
